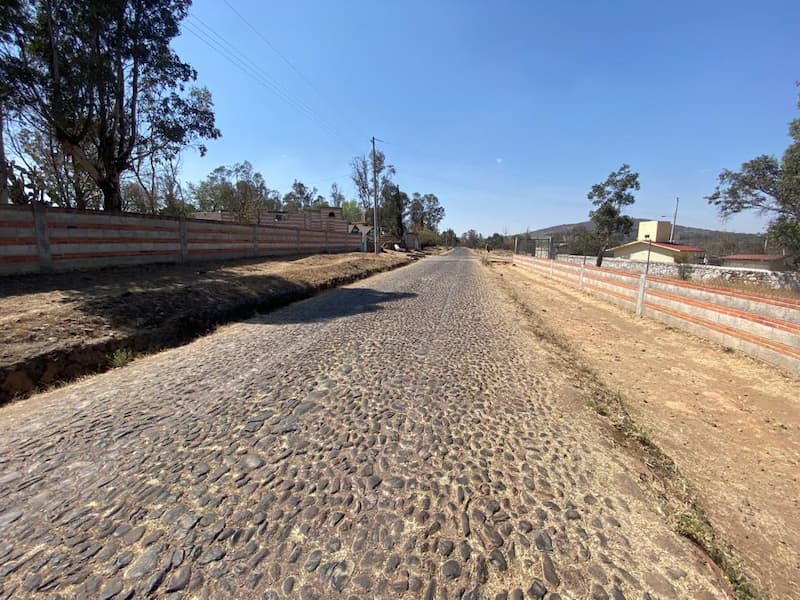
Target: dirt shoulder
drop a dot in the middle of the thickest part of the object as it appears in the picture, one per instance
(57, 327)
(730, 423)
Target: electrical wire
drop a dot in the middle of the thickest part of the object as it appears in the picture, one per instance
(233, 55)
(290, 64)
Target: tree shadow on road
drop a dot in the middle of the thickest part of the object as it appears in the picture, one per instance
(335, 304)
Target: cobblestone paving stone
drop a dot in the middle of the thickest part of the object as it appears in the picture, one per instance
(397, 438)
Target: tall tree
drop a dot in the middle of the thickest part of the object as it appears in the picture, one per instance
(236, 189)
(770, 187)
(449, 238)
(102, 76)
(416, 213)
(434, 212)
(300, 196)
(54, 171)
(362, 176)
(610, 197)
(337, 197)
(351, 211)
(393, 211)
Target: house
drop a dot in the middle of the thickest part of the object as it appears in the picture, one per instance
(770, 262)
(328, 218)
(653, 240)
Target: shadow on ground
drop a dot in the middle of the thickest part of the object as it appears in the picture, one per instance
(336, 304)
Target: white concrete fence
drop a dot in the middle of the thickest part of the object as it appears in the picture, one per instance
(764, 327)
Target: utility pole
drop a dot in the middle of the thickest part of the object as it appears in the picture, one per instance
(674, 220)
(375, 223)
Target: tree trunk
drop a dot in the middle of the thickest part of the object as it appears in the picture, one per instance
(4, 197)
(600, 255)
(112, 194)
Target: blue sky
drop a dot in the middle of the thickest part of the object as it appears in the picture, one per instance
(508, 111)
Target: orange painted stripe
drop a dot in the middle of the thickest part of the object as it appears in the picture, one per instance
(605, 291)
(627, 286)
(17, 241)
(787, 303)
(733, 312)
(115, 240)
(17, 259)
(89, 256)
(109, 226)
(754, 339)
(220, 241)
(17, 224)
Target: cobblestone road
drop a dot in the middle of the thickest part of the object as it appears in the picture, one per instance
(397, 438)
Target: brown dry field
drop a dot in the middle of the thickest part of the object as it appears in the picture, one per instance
(730, 423)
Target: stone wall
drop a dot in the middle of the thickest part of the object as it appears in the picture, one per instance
(690, 272)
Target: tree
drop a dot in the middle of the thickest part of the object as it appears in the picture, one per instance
(495, 242)
(433, 212)
(300, 196)
(449, 238)
(362, 175)
(416, 213)
(53, 171)
(584, 242)
(472, 239)
(238, 190)
(337, 197)
(770, 187)
(101, 75)
(394, 203)
(351, 211)
(610, 197)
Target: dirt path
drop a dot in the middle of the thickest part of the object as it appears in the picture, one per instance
(60, 326)
(731, 424)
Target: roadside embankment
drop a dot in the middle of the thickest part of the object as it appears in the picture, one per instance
(57, 327)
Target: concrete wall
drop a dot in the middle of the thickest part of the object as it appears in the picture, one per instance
(775, 279)
(640, 253)
(657, 230)
(764, 327)
(38, 238)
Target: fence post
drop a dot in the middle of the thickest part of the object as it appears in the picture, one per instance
(183, 238)
(552, 262)
(42, 235)
(327, 247)
(580, 281)
(640, 296)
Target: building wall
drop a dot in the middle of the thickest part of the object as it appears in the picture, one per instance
(657, 230)
(640, 253)
(37, 238)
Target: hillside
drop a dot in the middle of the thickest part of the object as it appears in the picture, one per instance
(713, 241)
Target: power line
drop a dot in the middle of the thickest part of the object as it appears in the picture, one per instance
(221, 46)
(288, 62)
(252, 69)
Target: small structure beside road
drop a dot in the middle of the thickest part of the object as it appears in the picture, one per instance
(653, 239)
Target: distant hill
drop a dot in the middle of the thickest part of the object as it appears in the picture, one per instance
(713, 241)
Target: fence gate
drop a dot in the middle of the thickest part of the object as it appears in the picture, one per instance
(538, 247)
